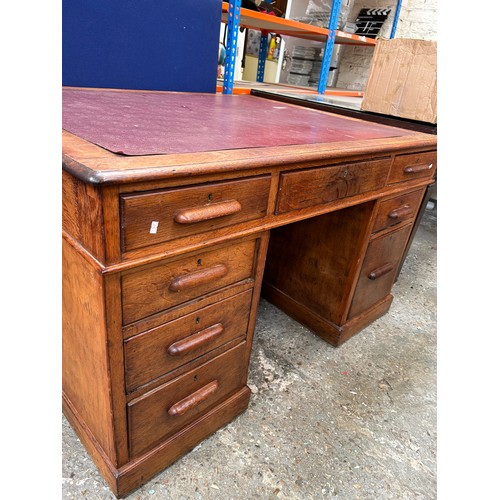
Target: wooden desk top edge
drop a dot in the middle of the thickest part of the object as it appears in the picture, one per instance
(95, 165)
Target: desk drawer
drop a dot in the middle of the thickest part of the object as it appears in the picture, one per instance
(160, 216)
(161, 286)
(167, 409)
(156, 352)
(379, 269)
(317, 186)
(413, 166)
(396, 210)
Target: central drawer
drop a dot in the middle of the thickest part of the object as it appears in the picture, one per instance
(167, 409)
(168, 214)
(158, 287)
(160, 350)
(316, 186)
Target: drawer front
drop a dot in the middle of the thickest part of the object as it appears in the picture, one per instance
(160, 350)
(166, 410)
(160, 216)
(413, 166)
(397, 210)
(159, 287)
(379, 269)
(317, 186)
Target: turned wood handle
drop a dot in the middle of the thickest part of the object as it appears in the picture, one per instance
(400, 212)
(197, 278)
(207, 212)
(194, 399)
(380, 271)
(195, 340)
(415, 169)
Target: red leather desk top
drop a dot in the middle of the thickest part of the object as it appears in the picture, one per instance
(149, 123)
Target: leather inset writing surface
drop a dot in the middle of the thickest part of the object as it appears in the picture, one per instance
(148, 123)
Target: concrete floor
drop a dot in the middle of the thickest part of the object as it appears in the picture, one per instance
(355, 422)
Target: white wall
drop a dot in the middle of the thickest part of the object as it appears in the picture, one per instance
(417, 19)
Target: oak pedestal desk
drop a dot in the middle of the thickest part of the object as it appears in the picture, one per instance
(179, 210)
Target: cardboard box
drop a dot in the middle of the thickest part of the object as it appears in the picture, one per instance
(403, 80)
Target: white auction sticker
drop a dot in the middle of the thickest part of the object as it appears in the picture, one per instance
(154, 227)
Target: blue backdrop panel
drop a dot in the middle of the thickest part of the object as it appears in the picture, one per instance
(141, 44)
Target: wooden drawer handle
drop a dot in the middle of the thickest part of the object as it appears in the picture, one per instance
(195, 340)
(400, 212)
(415, 169)
(380, 271)
(197, 278)
(207, 212)
(194, 399)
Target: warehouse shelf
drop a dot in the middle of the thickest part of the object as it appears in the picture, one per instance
(272, 24)
(235, 17)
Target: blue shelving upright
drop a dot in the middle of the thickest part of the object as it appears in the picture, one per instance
(327, 56)
(233, 24)
(261, 64)
(396, 19)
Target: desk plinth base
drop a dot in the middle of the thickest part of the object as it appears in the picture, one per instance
(132, 475)
(330, 332)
